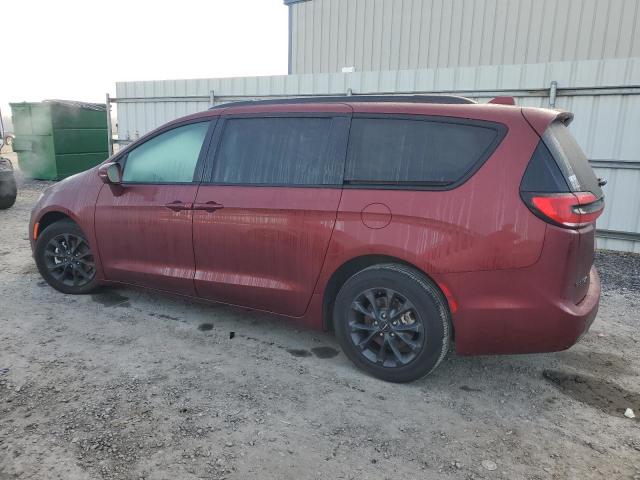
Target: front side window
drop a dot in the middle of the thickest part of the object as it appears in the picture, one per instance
(277, 151)
(170, 157)
(405, 151)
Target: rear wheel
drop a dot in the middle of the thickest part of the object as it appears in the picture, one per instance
(65, 259)
(392, 322)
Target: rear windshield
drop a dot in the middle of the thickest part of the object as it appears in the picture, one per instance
(571, 159)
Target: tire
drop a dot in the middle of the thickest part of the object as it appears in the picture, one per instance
(418, 340)
(8, 192)
(8, 187)
(64, 258)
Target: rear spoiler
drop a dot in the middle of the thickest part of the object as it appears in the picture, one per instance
(564, 117)
(541, 118)
(558, 115)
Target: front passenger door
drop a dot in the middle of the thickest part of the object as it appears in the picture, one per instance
(144, 225)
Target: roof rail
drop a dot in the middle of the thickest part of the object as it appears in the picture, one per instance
(441, 99)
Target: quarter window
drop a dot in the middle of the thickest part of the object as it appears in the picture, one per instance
(170, 157)
(407, 151)
(277, 151)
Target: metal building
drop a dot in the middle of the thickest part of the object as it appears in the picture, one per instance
(328, 35)
(578, 55)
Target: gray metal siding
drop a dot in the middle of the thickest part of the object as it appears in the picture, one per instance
(606, 124)
(327, 35)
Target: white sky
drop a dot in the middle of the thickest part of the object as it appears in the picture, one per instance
(78, 49)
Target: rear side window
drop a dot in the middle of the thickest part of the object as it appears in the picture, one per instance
(416, 152)
(571, 159)
(277, 151)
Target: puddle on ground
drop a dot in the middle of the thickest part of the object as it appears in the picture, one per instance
(299, 352)
(110, 299)
(606, 396)
(205, 327)
(467, 388)
(324, 352)
(320, 352)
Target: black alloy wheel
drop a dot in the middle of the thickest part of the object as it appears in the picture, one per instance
(65, 259)
(392, 322)
(385, 327)
(69, 260)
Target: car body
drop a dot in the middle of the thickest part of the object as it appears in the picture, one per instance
(514, 280)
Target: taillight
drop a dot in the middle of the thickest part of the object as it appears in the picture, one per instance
(569, 210)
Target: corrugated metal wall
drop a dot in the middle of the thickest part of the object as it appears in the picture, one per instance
(607, 121)
(327, 35)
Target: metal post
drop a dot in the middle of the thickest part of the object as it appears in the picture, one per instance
(553, 93)
(212, 98)
(109, 128)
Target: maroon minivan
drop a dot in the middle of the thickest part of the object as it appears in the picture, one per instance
(403, 224)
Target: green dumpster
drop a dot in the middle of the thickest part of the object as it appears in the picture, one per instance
(56, 138)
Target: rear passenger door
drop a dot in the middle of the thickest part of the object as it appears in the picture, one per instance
(264, 214)
(404, 193)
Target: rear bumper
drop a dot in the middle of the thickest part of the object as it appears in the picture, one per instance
(585, 312)
(524, 318)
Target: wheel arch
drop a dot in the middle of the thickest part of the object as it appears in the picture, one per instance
(353, 266)
(51, 217)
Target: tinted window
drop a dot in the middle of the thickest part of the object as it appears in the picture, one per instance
(277, 151)
(543, 173)
(571, 159)
(414, 151)
(170, 157)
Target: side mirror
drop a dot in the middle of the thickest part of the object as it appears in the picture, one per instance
(110, 173)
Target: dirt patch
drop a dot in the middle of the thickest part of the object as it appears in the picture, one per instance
(601, 394)
(298, 352)
(466, 388)
(91, 390)
(324, 352)
(604, 363)
(205, 327)
(110, 298)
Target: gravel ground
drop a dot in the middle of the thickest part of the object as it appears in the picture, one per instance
(127, 384)
(619, 271)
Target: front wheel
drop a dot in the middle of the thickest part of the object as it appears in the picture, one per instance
(65, 259)
(392, 322)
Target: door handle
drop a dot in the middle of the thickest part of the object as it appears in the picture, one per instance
(210, 206)
(178, 206)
